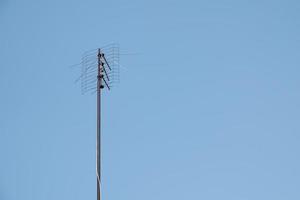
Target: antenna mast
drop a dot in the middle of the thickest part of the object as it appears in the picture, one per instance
(98, 139)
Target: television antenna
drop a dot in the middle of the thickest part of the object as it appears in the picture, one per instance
(99, 70)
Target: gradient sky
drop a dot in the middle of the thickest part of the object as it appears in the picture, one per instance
(208, 106)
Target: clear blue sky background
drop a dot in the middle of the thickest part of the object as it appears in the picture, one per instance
(207, 109)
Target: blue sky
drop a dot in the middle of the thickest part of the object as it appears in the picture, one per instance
(207, 107)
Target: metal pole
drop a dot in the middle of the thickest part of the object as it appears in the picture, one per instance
(98, 143)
